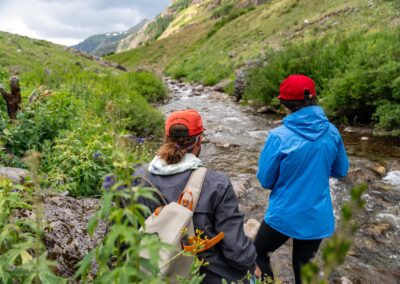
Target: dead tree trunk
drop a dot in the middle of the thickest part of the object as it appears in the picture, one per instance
(13, 100)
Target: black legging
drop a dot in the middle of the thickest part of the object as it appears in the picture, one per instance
(268, 240)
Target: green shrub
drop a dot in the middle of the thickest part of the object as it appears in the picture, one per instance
(156, 28)
(180, 5)
(388, 117)
(193, 70)
(39, 122)
(3, 76)
(79, 159)
(147, 85)
(136, 115)
(222, 11)
(354, 75)
(233, 14)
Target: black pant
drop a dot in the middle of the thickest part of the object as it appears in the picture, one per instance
(268, 240)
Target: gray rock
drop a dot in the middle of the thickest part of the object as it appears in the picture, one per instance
(199, 88)
(266, 109)
(66, 238)
(221, 86)
(239, 85)
(15, 174)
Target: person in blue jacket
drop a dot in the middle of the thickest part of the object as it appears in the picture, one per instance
(297, 160)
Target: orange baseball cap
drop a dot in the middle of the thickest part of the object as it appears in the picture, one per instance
(190, 118)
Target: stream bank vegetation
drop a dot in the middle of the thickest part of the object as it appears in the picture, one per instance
(357, 77)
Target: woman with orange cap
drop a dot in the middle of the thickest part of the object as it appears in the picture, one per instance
(217, 208)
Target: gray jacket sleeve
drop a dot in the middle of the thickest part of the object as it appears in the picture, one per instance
(237, 249)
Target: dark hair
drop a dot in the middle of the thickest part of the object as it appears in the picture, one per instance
(299, 104)
(177, 144)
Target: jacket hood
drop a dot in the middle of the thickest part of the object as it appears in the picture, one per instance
(309, 122)
(160, 167)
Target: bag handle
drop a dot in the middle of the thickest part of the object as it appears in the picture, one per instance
(198, 245)
(194, 187)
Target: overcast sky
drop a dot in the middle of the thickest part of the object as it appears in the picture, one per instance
(70, 21)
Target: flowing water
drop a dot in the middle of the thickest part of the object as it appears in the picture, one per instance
(235, 135)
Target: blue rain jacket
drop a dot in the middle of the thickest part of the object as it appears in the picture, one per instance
(297, 160)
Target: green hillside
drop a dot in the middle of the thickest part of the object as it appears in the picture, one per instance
(211, 44)
(209, 40)
(19, 54)
(76, 111)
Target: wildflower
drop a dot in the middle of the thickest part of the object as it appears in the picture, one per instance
(140, 140)
(97, 155)
(108, 182)
(121, 187)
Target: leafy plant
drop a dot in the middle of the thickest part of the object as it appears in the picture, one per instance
(39, 122)
(23, 257)
(79, 159)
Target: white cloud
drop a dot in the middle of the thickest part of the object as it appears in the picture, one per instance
(70, 21)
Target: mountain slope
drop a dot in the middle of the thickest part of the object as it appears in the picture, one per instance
(21, 55)
(103, 44)
(209, 39)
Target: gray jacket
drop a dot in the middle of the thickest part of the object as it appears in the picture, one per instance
(217, 211)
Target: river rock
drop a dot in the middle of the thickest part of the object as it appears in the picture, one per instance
(15, 174)
(349, 129)
(265, 109)
(394, 165)
(378, 229)
(251, 228)
(381, 170)
(359, 176)
(199, 88)
(239, 187)
(364, 138)
(221, 86)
